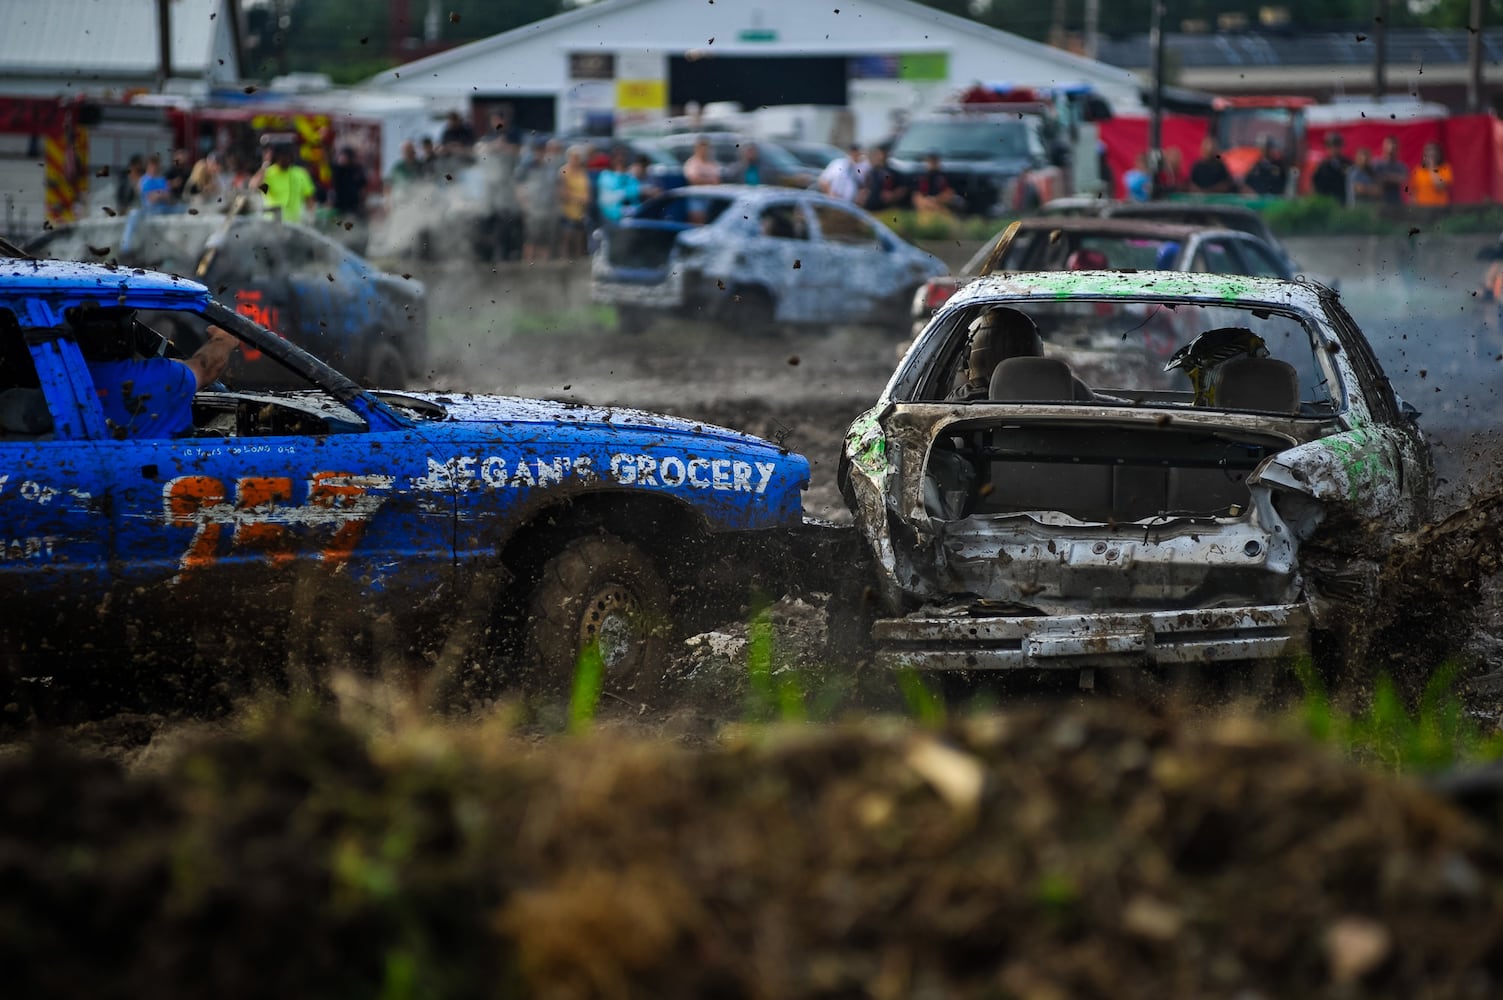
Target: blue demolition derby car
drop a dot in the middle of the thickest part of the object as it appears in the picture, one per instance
(415, 523)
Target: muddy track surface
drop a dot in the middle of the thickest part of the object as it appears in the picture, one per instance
(1040, 854)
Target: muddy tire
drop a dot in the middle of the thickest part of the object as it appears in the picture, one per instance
(633, 320)
(386, 370)
(599, 589)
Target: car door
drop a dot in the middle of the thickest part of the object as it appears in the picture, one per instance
(855, 274)
(54, 526)
(281, 504)
(782, 256)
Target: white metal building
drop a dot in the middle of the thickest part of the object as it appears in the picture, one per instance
(631, 60)
(107, 48)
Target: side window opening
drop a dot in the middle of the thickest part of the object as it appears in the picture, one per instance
(23, 406)
(839, 226)
(783, 222)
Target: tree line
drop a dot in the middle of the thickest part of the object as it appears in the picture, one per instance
(353, 39)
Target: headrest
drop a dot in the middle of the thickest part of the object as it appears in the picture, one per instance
(1032, 380)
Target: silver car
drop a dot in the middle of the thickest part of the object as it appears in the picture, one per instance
(755, 258)
(1040, 496)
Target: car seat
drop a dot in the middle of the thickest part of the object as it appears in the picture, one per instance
(1035, 380)
(1258, 384)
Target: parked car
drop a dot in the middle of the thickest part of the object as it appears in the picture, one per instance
(782, 167)
(1074, 507)
(754, 258)
(1057, 243)
(999, 162)
(814, 155)
(1183, 211)
(548, 528)
(290, 278)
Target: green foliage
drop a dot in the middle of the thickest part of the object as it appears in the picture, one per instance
(924, 706)
(1436, 735)
(589, 682)
(1315, 216)
(774, 694)
(350, 39)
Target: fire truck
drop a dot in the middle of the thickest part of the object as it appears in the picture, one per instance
(44, 159)
(61, 158)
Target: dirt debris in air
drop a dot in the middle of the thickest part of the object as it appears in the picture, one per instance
(1043, 853)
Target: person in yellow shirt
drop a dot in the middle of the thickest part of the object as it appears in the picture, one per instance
(1430, 182)
(287, 188)
(574, 202)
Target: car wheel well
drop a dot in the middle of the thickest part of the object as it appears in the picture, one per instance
(660, 524)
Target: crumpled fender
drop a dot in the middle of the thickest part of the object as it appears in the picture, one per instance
(1358, 468)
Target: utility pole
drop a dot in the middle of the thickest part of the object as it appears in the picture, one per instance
(1156, 120)
(1474, 89)
(1092, 27)
(1380, 49)
(1057, 28)
(164, 43)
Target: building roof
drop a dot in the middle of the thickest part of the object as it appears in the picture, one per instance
(1419, 46)
(594, 12)
(108, 40)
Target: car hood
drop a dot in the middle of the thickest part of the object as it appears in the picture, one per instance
(977, 165)
(467, 408)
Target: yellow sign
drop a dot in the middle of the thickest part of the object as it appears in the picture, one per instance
(641, 95)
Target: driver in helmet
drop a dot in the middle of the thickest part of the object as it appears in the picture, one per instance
(996, 335)
(144, 397)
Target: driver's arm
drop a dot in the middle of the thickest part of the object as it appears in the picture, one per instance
(210, 360)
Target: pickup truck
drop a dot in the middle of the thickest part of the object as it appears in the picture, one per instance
(376, 522)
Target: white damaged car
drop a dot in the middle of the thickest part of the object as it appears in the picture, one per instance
(1039, 492)
(755, 259)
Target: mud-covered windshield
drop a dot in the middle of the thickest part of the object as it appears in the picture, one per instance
(967, 139)
(1111, 351)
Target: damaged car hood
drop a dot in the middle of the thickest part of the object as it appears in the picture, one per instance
(512, 410)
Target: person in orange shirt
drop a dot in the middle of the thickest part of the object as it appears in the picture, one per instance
(1430, 182)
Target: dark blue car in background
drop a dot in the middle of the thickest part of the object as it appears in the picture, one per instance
(287, 277)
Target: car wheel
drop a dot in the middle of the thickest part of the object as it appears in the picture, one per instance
(751, 311)
(386, 370)
(633, 320)
(600, 592)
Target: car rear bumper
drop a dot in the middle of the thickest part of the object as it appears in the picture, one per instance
(667, 293)
(930, 642)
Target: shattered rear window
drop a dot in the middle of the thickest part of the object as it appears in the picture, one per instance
(1150, 353)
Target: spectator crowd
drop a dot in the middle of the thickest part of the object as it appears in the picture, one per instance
(1359, 180)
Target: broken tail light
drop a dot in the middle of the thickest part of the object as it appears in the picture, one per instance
(938, 292)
